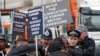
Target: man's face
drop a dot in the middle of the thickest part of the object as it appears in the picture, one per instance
(46, 42)
(83, 36)
(72, 40)
(2, 44)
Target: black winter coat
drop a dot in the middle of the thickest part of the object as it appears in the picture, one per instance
(88, 47)
(58, 53)
(21, 50)
(73, 51)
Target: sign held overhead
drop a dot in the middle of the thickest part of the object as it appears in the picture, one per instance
(57, 13)
(35, 21)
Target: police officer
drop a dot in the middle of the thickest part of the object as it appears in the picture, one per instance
(2, 45)
(87, 44)
(46, 39)
(73, 39)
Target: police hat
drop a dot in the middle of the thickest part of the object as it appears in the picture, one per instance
(73, 33)
(47, 34)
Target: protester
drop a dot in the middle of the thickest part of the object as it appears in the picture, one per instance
(87, 44)
(57, 48)
(73, 39)
(2, 45)
(15, 48)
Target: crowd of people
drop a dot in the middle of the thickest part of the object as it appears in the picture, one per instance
(77, 43)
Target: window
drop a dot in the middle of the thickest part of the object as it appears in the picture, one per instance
(90, 18)
(91, 21)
